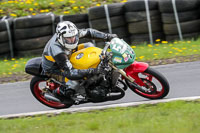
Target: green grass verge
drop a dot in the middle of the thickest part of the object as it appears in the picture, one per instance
(172, 117)
(144, 52)
(164, 49)
(12, 66)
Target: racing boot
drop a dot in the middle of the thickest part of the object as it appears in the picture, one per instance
(63, 92)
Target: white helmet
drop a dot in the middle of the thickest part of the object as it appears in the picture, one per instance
(67, 34)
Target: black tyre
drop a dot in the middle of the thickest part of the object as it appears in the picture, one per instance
(3, 24)
(76, 18)
(142, 27)
(30, 52)
(139, 5)
(120, 31)
(101, 24)
(32, 21)
(82, 25)
(141, 16)
(156, 85)
(30, 44)
(98, 12)
(4, 47)
(33, 32)
(4, 55)
(3, 36)
(139, 38)
(37, 92)
(83, 40)
(186, 27)
(169, 18)
(190, 36)
(166, 6)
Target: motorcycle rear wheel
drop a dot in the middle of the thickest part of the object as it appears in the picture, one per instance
(36, 88)
(156, 85)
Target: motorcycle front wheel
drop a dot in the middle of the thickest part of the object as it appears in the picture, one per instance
(155, 85)
(37, 87)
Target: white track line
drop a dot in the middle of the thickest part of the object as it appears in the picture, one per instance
(85, 109)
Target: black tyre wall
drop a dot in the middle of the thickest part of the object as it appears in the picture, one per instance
(77, 18)
(4, 47)
(33, 21)
(186, 27)
(98, 12)
(169, 18)
(30, 52)
(5, 41)
(101, 24)
(33, 43)
(188, 17)
(141, 16)
(3, 24)
(98, 20)
(139, 5)
(142, 27)
(165, 6)
(34, 32)
(141, 38)
(194, 35)
(136, 18)
(120, 31)
(3, 36)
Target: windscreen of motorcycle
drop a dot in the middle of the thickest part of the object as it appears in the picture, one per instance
(86, 58)
(123, 54)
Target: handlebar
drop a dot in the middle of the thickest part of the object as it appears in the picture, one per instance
(105, 48)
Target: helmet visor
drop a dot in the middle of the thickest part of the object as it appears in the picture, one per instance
(70, 40)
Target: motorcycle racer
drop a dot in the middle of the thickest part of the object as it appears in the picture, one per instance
(56, 54)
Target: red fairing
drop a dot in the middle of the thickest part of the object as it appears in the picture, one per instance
(136, 67)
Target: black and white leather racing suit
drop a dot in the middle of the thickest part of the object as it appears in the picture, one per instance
(55, 58)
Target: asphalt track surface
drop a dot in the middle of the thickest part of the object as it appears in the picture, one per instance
(184, 80)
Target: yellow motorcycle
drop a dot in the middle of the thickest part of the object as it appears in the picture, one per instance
(119, 71)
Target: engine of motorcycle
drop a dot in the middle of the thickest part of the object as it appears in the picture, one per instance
(97, 88)
(98, 94)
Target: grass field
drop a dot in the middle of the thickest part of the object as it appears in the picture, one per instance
(172, 117)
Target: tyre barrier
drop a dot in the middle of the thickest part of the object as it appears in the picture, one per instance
(31, 33)
(6, 41)
(144, 21)
(181, 19)
(109, 19)
(135, 21)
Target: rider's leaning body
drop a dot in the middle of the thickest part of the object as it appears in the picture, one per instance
(56, 55)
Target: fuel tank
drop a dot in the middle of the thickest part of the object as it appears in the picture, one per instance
(86, 58)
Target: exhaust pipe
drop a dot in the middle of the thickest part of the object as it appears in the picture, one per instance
(52, 98)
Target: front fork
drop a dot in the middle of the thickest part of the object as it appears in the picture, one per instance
(132, 71)
(122, 72)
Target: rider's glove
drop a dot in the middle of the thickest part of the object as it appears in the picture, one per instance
(93, 71)
(111, 36)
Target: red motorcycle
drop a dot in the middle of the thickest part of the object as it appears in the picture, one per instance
(119, 70)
